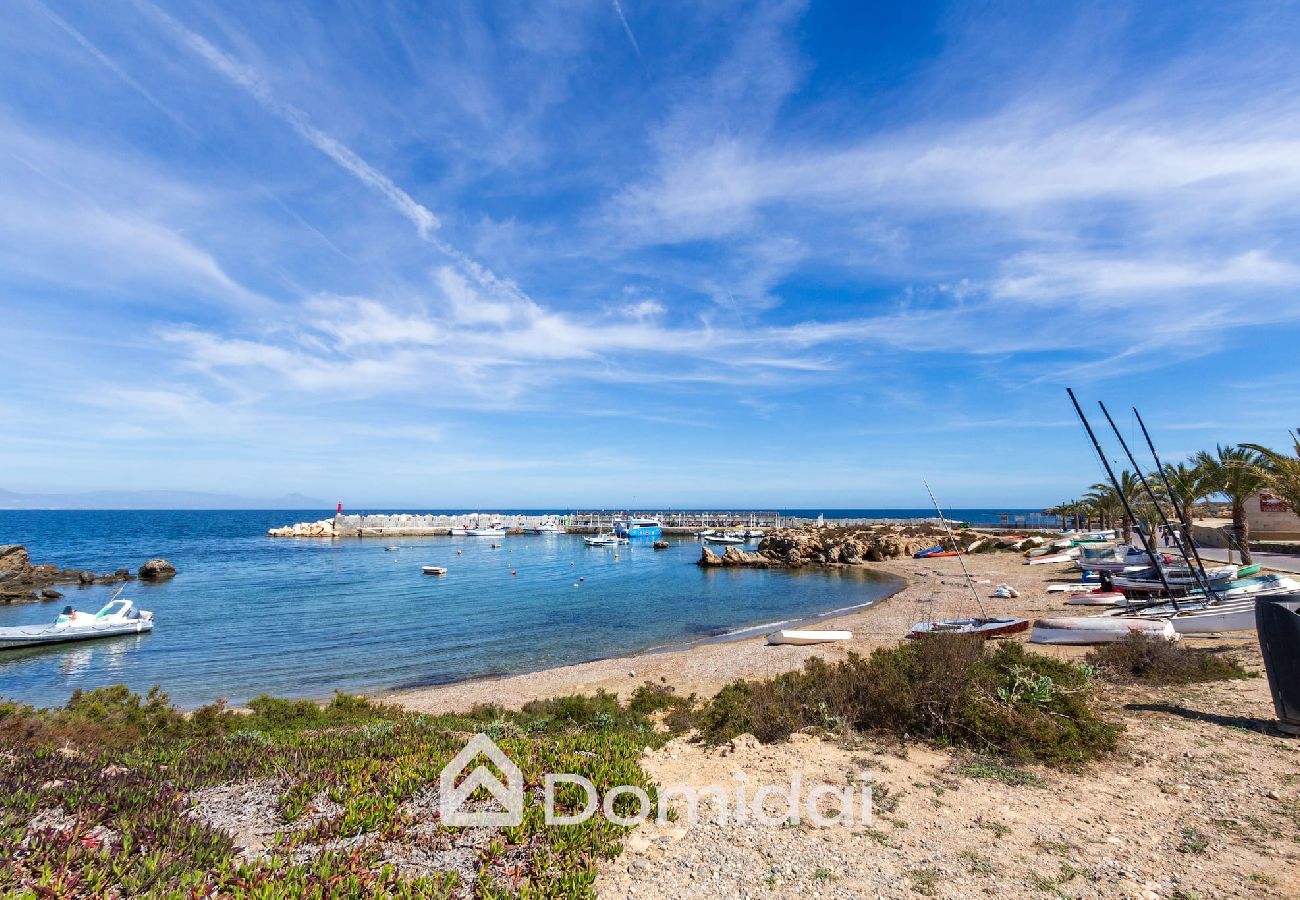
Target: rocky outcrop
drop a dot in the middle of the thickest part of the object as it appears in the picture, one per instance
(323, 528)
(157, 570)
(15, 564)
(22, 582)
(734, 556)
(795, 547)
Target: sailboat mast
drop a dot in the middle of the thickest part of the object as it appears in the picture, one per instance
(1202, 584)
(969, 582)
(1183, 515)
(1110, 473)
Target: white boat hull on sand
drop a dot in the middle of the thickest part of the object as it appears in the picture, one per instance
(1098, 629)
(1096, 598)
(1047, 560)
(802, 638)
(1082, 588)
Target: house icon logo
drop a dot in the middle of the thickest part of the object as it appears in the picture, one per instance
(453, 798)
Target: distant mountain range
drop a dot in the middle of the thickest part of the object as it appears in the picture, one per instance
(156, 500)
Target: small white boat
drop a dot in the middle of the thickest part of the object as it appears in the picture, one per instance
(1176, 576)
(459, 530)
(117, 617)
(1097, 598)
(549, 527)
(802, 638)
(605, 540)
(434, 570)
(985, 626)
(391, 549)
(1080, 588)
(730, 537)
(1098, 629)
(755, 533)
(1051, 558)
(493, 530)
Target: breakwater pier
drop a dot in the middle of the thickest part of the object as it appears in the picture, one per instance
(680, 522)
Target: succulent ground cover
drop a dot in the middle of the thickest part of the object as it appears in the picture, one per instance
(107, 796)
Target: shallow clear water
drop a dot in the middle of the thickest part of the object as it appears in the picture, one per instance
(248, 614)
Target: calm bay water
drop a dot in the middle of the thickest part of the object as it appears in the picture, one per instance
(250, 614)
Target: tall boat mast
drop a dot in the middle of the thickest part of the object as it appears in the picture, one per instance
(1184, 516)
(1110, 473)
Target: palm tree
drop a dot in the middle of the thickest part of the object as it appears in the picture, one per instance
(1110, 507)
(1189, 486)
(1237, 473)
(1282, 472)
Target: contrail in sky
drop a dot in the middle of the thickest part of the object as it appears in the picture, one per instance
(618, 8)
(246, 78)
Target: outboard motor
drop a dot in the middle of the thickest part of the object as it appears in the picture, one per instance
(1277, 621)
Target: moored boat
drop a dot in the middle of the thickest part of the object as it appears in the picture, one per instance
(118, 617)
(729, 537)
(434, 570)
(605, 540)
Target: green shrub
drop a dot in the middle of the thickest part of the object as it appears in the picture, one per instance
(1140, 657)
(946, 688)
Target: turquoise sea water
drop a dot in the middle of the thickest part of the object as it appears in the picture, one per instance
(248, 614)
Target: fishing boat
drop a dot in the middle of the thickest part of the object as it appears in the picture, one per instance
(493, 530)
(460, 530)
(434, 570)
(804, 638)
(116, 618)
(1098, 629)
(983, 626)
(549, 526)
(729, 537)
(605, 540)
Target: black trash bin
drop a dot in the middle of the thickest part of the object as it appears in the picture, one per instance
(1278, 623)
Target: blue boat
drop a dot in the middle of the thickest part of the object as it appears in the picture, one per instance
(635, 529)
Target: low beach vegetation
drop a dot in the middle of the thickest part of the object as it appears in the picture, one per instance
(953, 690)
(1139, 657)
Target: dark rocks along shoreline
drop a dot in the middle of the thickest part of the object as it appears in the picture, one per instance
(21, 581)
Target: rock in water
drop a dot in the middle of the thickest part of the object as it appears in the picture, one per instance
(14, 562)
(51, 594)
(86, 577)
(157, 569)
(708, 558)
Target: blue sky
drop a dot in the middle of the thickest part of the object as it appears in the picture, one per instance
(596, 253)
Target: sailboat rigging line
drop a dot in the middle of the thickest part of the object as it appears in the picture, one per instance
(1203, 584)
(969, 581)
(1184, 516)
(1110, 473)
